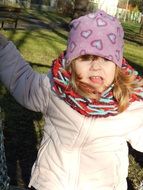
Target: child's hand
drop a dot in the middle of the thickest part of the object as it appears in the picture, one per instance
(3, 41)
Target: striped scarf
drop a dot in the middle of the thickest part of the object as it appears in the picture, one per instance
(106, 106)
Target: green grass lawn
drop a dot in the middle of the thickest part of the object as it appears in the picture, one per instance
(134, 53)
(39, 46)
(133, 49)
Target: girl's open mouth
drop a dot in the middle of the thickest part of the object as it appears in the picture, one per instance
(96, 79)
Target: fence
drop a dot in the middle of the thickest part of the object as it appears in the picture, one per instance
(126, 15)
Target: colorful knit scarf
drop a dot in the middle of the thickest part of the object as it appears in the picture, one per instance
(104, 107)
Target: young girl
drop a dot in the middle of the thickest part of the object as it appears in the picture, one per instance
(92, 103)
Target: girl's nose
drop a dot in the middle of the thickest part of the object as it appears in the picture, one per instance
(96, 64)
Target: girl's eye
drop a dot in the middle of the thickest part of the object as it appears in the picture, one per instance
(106, 59)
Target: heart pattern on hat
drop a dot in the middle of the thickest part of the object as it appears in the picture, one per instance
(117, 54)
(83, 52)
(86, 33)
(112, 37)
(119, 32)
(75, 24)
(101, 22)
(109, 57)
(91, 15)
(72, 46)
(97, 44)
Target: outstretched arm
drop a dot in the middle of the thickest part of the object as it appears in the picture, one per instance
(28, 87)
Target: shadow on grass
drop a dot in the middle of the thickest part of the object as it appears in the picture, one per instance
(132, 32)
(20, 140)
(134, 38)
(136, 67)
(39, 65)
(44, 16)
(130, 184)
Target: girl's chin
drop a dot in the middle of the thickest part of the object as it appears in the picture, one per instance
(100, 89)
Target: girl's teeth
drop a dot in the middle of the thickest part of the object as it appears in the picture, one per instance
(96, 79)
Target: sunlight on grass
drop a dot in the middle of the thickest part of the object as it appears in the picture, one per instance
(39, 46)
(43, 49)
(134, 53)
(131, 27)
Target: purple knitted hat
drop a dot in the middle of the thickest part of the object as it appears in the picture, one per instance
(96, 34)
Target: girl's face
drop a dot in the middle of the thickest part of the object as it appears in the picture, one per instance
(98, 73)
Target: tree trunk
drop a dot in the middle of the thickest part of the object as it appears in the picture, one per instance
(80, 8)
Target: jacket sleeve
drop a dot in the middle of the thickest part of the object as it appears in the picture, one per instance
(135, 138)
(29, 88)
